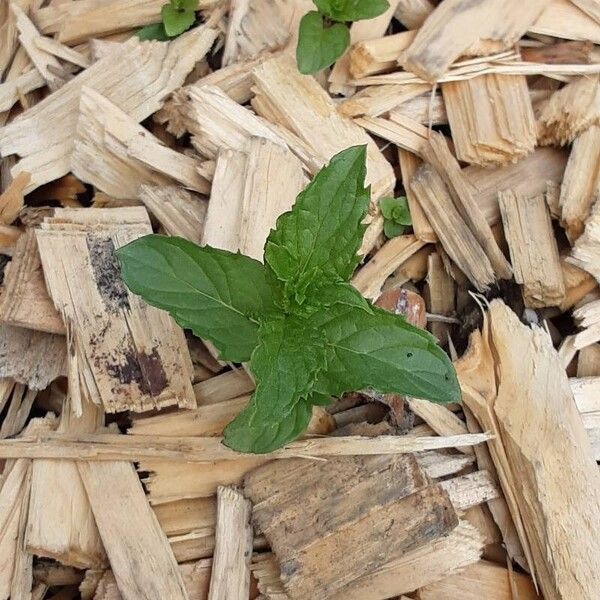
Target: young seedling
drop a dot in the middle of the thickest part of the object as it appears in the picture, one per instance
(177, 16)
(307, 333)
(396, 216)
(324, 34)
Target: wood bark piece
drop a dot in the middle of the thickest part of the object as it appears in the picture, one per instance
(131, 535)
(32, 357)
(299, 104)
(115, 154)
(137, 79)
(570, 111)
(455, 26)
(491, 118)
(24, 301)
(60, 523)
(533, 249)
(581, 181)
(370, 278)
(403, 506)
(586, 251)
(528, 177)
(454, 234)
(230, 577)
(483, 579)
(180, 212)
(124, 354)
(439, 155)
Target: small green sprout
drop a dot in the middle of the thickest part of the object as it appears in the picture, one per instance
(396, 216)
(177, 16)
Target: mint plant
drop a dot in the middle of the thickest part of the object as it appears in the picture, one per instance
(177, 16)
(306, 332)
(396, 216)
(324, 35)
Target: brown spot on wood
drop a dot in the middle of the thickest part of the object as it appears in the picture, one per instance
(143, 369)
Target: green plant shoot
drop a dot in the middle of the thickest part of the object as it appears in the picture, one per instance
(324, 34)
(177, 17)
(306, 332)
(396, 216)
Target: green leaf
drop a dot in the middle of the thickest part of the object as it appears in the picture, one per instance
(396, 209)
(392, 229)
(352, 10)
(339, 293)
(156, 31)
(319, 46)
(215, 293)
(318, 240)
(382, 351)
(185, 4)
(176, 21)
(286, 363)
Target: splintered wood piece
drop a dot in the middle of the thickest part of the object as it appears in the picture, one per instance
(533, 249)
(25, 301)
(370, 279)
(180, 212)
(454, 234)
(409, 163)
(403, 508)
(581, 181)
(491, 118)
(570, 111)
(368, 57)
(455, 25)
(12, 199)
(55, 48)
(483, 579)
(226, 386)
(427, 109)
(32, 357)
(589, 7)
(412, 13)
(559, 497)
(562, 19)
(586, 251)
(60, 524)
(439, 155)
(131, 535)
(124, 354)
(230, 577)
(300, 105)
(527, 177)
(578, 284)
(359, 31)
(440, 296)
(250, 190)
(137, 79)
(115, 154)
(405, 133)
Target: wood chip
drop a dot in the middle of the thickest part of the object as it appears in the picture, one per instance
(586, 251)
(11, 200)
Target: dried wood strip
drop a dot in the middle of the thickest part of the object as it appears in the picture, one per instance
(434, 561)
(128, 355)
(370, 279)
(483, 579)
(589, 7)
(491, 118)
(454, 234)
(439, 155)
(47, 64)
(226, 386)
(136, 79)
(562, 19)
(528, 177)
(471, 489)
(11, 90)
(425, 109)
(115, 154)
(586, 251)
(300, 105)
(581, 181)
(111, 447)
(533, 249)
(559, 497)
(412, 13)
(180, 212)
(60, 523)
(455, 26)
(403, 132)
(138, 550)
(230, 577)
(371, 56)
(20, 402)
(440, 296)
(570, 111)
(12, 199)
(578, 284)
(359, 31)
(32, 357)
(55, 48)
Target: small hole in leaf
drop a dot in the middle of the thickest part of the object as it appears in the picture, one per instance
(409, 355)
